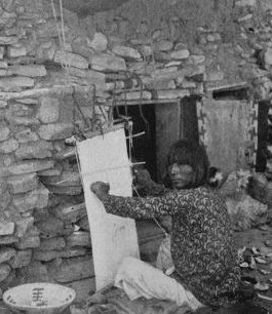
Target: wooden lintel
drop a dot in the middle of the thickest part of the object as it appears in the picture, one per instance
(233, 87)
(146, 102)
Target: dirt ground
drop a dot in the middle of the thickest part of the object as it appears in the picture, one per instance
(255, 246)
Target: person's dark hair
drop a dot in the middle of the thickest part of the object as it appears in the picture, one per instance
(188, 152)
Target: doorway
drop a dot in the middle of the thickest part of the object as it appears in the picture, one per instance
(163, 123)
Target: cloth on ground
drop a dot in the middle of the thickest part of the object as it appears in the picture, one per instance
(139, 279)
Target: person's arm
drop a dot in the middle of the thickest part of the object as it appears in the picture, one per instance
(146, 186)
(138, 207)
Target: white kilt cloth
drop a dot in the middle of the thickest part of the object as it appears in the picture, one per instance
(139, 279)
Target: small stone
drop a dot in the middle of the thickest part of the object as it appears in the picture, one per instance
(165, 73)
(15, 52)
(28, 101)
(49, 110)
(30, 242)
(29, 201)
(84, 288)
(73, 269)
(244, 265)
(213, 37)
(6, 228)
(46, 51)
(6, 195)
(261, 286)
(23, 183)
(56, 131)
(3, 104)
(215, 76)
(264, 271)
(2, 51)
(160, 84)
(6, 254)
(67, 178)
(4, 133)
(245, 18)
(255, 251)
(173, 64)
(11, 83)
(267, 57)
(57, 243)
(26, 121)
(9, 146)
(259, 260)
(180, 54)
(197, 59)
(180, 46)
(27, 167)
(146, 50)
(162, 57)
(8, 40)
(50, 227)
(23, 225)
(172, 94)
(164, 45)
(70, 213)
(21, 259)
(127, 52)
(136, 95)
(99, 42)
(4, 271)
(79, 238)
(187, 84)
(46, 256)
(34, 150)
(268, 243)
(3, 64)
(263, 227)
(33, 70)
(51, 172)
(19, 110)
(106, 62)
(246, 3)
(96, 78)
(7, 240)
(3, 72)
(26, 136)
(71, 59)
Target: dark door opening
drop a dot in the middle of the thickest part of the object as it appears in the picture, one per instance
(164, 124)
(144, 146)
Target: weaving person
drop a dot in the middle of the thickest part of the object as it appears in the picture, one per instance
(206, 270)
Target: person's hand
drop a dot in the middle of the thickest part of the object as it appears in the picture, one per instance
(100, 189)
(142, 178)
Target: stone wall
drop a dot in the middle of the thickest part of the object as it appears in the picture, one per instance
(50, 96)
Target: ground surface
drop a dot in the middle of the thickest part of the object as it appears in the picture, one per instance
(258, 270)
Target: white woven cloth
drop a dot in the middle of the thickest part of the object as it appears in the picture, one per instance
(139, 279)
(104, 158)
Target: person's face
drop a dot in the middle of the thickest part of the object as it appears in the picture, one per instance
(180, 175)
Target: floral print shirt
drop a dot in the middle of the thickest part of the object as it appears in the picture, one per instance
(202, 247)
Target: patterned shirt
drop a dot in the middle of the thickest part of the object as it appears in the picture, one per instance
(202, 247)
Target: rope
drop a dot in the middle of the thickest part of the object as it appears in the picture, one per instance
(56, 20)
(62, 41)
(78, 164)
